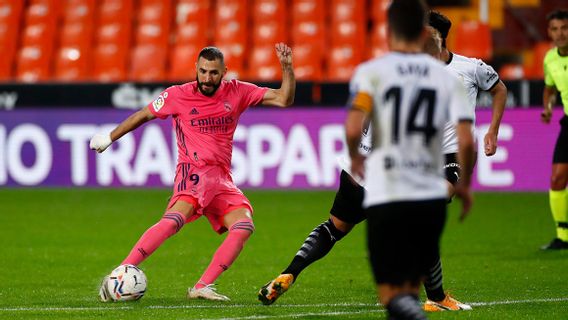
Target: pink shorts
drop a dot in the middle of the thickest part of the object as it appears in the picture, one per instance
(210, 189)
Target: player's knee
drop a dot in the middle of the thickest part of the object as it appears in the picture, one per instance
(173, 221)
(244, 226)
(558, 181)
(335, 233)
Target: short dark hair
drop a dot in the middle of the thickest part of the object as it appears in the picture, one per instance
(441, 23)
(211, 54)
(558, 15)
(407, 18)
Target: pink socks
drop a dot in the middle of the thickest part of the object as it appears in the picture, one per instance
(170, 223)
(227, 252)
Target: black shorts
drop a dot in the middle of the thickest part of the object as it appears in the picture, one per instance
(348, 203)
(452, 168)
(404, 238)
(561, 148)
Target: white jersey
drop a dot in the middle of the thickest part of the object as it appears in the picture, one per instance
(474, 75)
(413, 97)
(364, 149)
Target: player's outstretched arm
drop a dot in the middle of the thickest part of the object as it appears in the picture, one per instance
(499, 95)
(101, 141)
(548, 101)
(466, 158)
(284, 96)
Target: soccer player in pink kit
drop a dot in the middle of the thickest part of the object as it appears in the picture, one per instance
(204, 115)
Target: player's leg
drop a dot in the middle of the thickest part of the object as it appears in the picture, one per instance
(240, 226)
(398, 265)
(558, 196)
(170, 223)
(346, 212)
(437, 299)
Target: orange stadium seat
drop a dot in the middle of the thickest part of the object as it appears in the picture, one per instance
(307, 62)
(71, 64)
(154, 11)
(473, 39)
(10, 15)
(379, 10)
(348, 32)
(379, 43)
(234, 54)
(269, 33)
(264, 64)
(231, 22)
(511, 71)
(535, 69)
(309, 32)
(264, 11)
(182, 62)
(114, 32)
(79, 11)
(40, 12)
(308, 10)
(113, 11)
(348, 10)
(148, 63)
(76, 34)
(193, 11)
(152, 33)
(341, 62)
(32, 64)
(191, 33)
(109, 63)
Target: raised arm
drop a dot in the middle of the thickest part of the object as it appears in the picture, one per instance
(548, 101)
(499, 95)
(284, 96)
(100, 142)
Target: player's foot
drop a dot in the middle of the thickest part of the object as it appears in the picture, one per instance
(449, 303)
(209, 292)
(555, 244)
(275, 288)
(104, 294)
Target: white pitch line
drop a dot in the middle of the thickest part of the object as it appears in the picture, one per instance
(224, 306)
(301, 315)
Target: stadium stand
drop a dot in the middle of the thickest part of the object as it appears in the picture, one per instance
(109, 40)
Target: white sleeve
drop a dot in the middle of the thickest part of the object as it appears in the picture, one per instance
(485, 76)
(458, 100)
(360, 81)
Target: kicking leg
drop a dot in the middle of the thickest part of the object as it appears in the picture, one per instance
(316, 246)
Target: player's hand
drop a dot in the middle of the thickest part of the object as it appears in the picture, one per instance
(100, 142)
(358, 167)
(464, 194)
(490, 142)
(284, 54)
(546, 115)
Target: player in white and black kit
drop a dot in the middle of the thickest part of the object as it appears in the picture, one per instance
(345, 213)
(409, 97)
(475, 75)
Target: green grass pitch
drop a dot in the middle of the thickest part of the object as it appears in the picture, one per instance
(56, 245)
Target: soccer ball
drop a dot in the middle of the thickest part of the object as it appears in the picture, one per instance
(126, 283)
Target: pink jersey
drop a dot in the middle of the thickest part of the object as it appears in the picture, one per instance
(204, 125)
